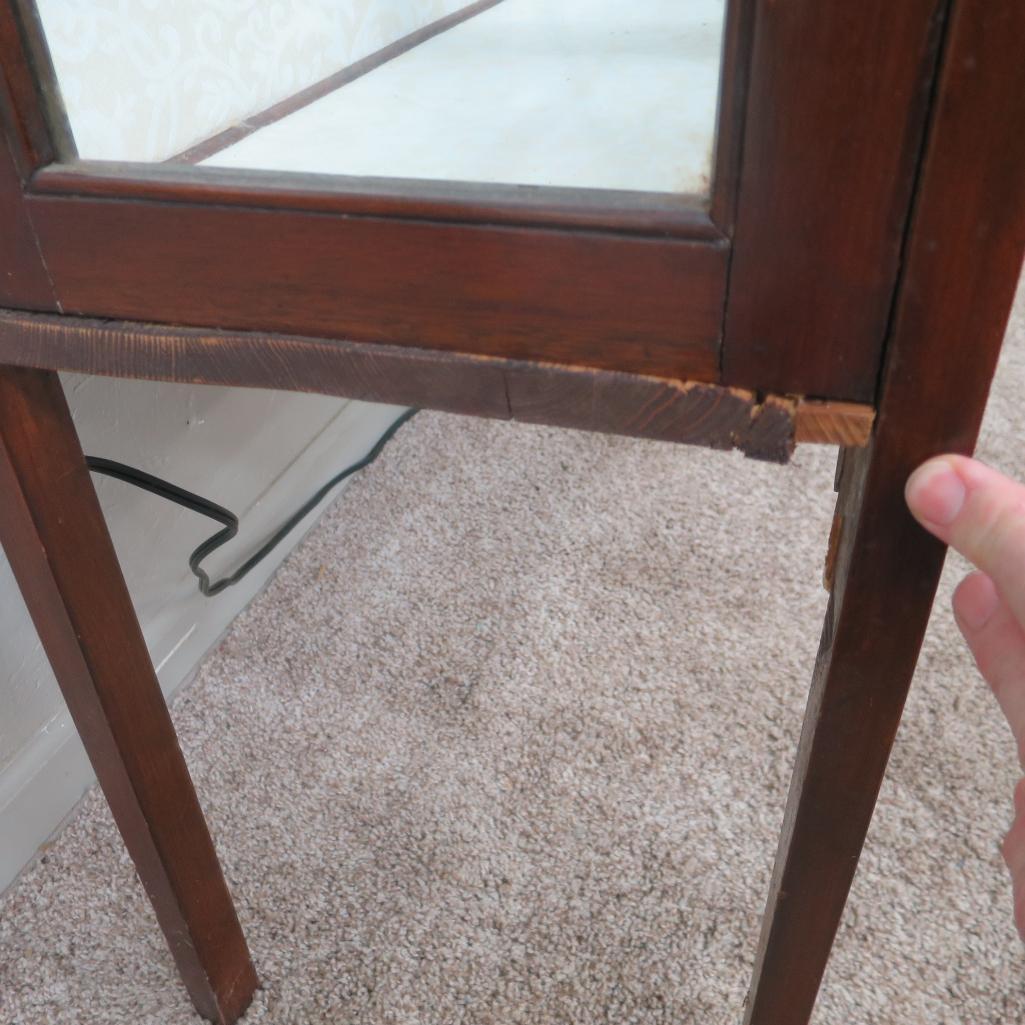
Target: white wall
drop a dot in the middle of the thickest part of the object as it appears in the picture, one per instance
(145, 79)
(260, 454)
(142, 80)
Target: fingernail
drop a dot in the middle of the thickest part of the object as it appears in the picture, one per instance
(935, 492)
(976, 601)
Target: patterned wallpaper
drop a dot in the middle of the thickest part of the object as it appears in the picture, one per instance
(145, 79)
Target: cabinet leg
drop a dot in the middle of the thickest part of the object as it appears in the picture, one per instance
(883, 581)
(58, 546)
(961, 263)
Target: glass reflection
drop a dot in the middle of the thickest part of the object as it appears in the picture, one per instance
(589, 93)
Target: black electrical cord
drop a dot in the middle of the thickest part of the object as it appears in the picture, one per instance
(203, 506)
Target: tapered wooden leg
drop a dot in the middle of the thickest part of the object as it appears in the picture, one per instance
(961, 263)
(57, 543)
(884, 577)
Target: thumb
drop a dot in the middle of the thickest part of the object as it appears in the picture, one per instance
(980, 513)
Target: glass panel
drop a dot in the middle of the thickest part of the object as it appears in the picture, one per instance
(608, 94)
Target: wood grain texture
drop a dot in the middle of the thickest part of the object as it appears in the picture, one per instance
(836, 107)
(453, 382)
(649, 407)
(57, 544)
(962, 265)
(833, 423)
(645, 305)
(304, 97)
(681, 411)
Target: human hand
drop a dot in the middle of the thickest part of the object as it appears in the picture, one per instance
(981, 513)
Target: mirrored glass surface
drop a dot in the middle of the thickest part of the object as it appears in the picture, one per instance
(602, 94)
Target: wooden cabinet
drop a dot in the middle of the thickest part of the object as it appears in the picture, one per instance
(845, 277)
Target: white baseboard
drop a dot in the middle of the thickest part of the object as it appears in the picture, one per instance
(41, 787)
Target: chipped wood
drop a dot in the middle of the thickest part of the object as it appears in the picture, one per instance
(616, 402)
(688, 412)
(835, 534)
(819, 422)
(771, 433)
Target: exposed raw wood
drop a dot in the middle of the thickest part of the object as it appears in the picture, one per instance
(833, 547)
(833, 423)
(692, 412)
(682, 411)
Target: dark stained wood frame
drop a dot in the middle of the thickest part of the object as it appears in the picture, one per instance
(832, 139)
(961, 266)
(610, 401)
(632, 282)
(68, 573)
(867, 217)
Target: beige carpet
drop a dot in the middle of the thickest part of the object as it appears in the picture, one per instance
(507, 740)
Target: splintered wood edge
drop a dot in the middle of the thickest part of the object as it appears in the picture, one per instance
(585, 398)
(820, 422)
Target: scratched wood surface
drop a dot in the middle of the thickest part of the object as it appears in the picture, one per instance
(691, 412)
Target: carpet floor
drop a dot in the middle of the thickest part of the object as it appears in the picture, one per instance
(507, 740)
